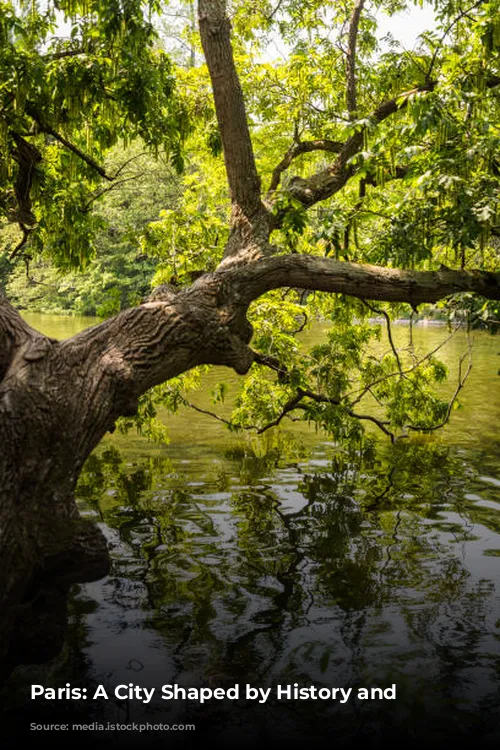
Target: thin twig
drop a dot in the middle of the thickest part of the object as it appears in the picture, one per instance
(460, 385)
(384, 313)
(362, 392)
(214, 415)
(105, 190)
(446, 32)
(26, 233)
(127, 162)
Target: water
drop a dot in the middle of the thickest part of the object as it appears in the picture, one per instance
(286, 562)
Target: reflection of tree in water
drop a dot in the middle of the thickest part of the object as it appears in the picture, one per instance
(355, 575)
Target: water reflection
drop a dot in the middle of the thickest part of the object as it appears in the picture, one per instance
(371, 570)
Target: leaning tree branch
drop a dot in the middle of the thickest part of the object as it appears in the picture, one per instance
(358, 280)
(206, 324)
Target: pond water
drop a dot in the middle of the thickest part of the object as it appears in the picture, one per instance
(284, 562)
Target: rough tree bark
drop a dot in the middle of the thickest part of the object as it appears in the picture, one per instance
(58, 399)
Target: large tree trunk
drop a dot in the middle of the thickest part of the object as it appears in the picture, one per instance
(57, 400)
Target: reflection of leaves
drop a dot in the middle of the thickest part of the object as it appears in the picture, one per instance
(237, 569)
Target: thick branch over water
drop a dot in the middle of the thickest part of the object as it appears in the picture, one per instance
(357, 280)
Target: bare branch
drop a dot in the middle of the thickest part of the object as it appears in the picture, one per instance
(385, 315)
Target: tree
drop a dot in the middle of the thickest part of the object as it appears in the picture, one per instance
(400, 133)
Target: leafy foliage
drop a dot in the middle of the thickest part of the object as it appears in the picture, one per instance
(119, 274)
(65, 100)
